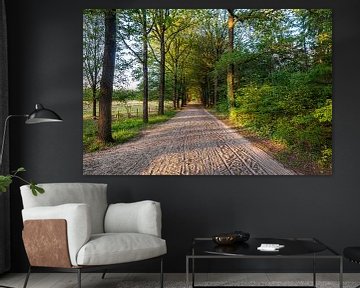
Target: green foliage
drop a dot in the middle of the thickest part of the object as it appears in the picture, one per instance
(36, 189)
(93, 44)
(222, 106)
(122, 130)
(324, 113)
(88, 94)
(89, 135)
(325, 160)
(6, 180)
(295, 110)
(20, 169)
(126, 94)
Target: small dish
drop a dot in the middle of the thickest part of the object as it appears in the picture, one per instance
(225, 239)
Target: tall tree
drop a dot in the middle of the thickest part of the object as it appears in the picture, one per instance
(168, 24)
(320, 23)
(179, 52)
(107, 79)
(211, 45)
(218, 40)
(145, 33)
(160, 27)
(93, 45)
(209, 42)
(243, 15)
(231, 67)
(134, 33)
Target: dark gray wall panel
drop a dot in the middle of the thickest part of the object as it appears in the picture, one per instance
(45, 43)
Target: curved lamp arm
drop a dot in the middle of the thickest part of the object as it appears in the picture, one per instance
(4, 134)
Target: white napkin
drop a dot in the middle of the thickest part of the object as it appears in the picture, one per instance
(270, 247)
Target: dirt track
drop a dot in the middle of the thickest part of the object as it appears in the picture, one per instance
(194, 142)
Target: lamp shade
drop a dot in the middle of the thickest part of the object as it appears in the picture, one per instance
(42, 115)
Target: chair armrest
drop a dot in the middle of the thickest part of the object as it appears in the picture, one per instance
(52, 250)
(138, 217)
(78, 223)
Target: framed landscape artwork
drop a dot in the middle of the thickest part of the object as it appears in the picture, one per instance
(207, 92)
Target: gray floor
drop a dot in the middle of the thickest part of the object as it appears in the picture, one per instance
(120, 280)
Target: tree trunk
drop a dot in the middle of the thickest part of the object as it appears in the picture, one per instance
(93, 89)
(107, 78)
(175, 90)
(231, 68)
(162, 68)
(210, 95)
(178, 99)
(203, 95)
(183, 92)
(215, 89)
(178, 92)
(175, 85)
(304, 29)
(145, 69)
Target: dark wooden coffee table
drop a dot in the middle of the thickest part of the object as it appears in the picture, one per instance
(294, 248)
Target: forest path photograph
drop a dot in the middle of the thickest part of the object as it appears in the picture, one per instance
(160, 87)
(193, 142)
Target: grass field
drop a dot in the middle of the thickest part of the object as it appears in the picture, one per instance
(125, 125)
(128, 109)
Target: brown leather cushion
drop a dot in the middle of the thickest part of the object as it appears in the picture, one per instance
(46, 243)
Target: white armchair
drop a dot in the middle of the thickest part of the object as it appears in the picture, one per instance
(72, 228)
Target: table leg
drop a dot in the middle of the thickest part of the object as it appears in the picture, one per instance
(187, 272)
(314, 271)
(341, 273)
(193, 272)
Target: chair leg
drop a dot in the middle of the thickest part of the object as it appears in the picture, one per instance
(27, 277)
(161, 273)
(103, 275)
(79, 277)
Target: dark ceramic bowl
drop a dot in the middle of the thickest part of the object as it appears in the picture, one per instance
(231, 238)
(225, 239)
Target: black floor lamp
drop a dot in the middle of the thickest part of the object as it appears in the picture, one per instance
(39, 115)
